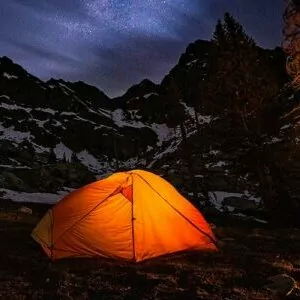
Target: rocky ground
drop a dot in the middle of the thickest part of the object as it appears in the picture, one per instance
(250, 255)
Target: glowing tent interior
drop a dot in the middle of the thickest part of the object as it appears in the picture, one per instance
(134, 215)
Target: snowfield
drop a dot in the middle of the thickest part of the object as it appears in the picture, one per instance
(47, 198)
(216, 198)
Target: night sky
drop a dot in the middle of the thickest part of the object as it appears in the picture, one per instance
(114, 44)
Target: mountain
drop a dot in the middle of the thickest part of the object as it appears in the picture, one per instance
(59, 134)
(75, 122)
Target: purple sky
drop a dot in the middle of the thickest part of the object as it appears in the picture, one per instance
(114, 44)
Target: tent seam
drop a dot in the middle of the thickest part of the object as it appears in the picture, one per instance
(132, 222)
(189, 221)
(82, 218)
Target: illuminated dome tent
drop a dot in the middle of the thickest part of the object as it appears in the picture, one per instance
(134, 215)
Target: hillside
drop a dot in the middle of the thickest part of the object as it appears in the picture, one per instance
(58, 135)
(43, 123)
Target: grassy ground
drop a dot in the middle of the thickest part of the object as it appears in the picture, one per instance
(249, 255)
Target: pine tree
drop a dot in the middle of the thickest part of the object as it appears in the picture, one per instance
(74, 158)
(239, 79)
(235, 35)
(219, 36)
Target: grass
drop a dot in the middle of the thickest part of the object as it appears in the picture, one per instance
(249, 255)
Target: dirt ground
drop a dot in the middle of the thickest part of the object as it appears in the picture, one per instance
(249, 256)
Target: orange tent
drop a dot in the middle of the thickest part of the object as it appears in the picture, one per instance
(132, 215)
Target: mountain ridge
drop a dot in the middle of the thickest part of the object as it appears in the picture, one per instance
(57, 130)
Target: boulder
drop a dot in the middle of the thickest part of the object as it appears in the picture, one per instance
(10, 181)
(241, 203)
(25, 210)
(283, 284)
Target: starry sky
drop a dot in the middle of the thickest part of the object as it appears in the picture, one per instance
(114, 44)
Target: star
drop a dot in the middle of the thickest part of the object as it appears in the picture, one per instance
(114, 44)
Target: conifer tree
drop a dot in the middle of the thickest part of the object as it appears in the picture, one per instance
(240, 80)
(219, 37)
(74, 158)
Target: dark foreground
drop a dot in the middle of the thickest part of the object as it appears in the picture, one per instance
(249, 256)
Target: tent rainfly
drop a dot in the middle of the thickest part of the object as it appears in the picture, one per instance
(134, 215)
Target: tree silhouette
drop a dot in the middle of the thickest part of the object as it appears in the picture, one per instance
(291, 41)
(240, 80)
(74, 158)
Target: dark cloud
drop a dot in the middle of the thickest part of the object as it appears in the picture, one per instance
(40, 52)
(116, 43)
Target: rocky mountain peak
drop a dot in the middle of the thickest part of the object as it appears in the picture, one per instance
(163, 127)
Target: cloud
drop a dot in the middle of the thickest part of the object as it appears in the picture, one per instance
(116, 43)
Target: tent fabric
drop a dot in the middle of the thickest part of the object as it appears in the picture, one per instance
(134, 215)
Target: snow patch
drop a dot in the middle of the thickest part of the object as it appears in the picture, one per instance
(66, 87)
(9, 76)
(149, 95)
(47, 198)
(39, 148)
(249, 218)
(15, 107)
(5, 96)
(120, 121)
(198, 176)
(13, 135)
(191, 113)
(274, 140)
(89, 160)
(61, 151)
(40, 123)
(58, 124)
(68, 113)
(14, 167)
(46, 110)
(217, 164)
(163, 132)
(104, 126)
(105, 112)
(191, 62)
(85, 120)
(217, 198)
(214, 152)
(285, 126)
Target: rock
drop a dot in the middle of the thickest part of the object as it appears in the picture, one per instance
(239, 203)
(295, 294)
(282, 284)
(55, 176)
(212, 226)
(228, 240)
(296, 264)
(25, 210)
(10, 181)
(217, 182)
